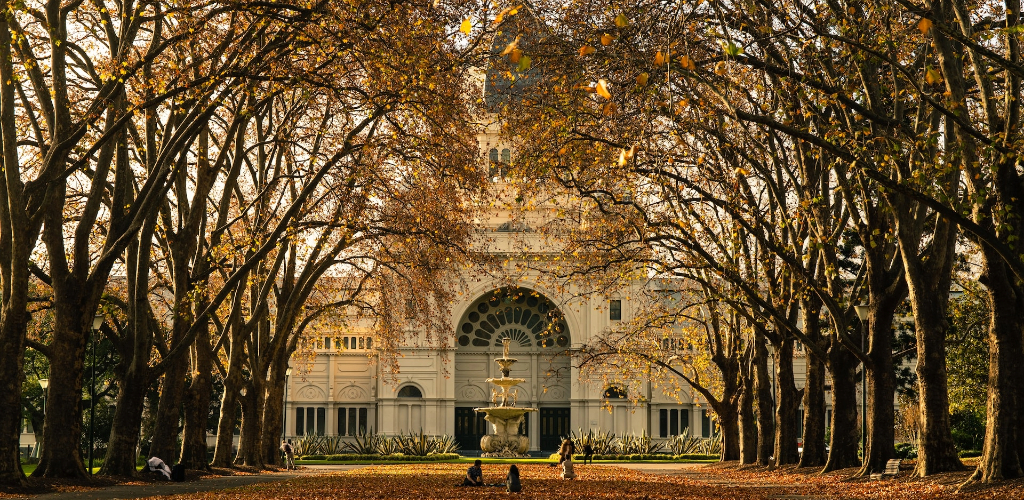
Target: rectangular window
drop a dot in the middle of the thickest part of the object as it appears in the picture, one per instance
(705, 421)
(673, 422)
(361, 342)
(321, 421)
(300, 426)
(663, 423)
(684, 422)
(352, 421)
(362, 420)
(310, 421)
(615, 310)
(369, 342)
(342, 413)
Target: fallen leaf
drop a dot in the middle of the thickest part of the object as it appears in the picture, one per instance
(467, 26)
(602, 89)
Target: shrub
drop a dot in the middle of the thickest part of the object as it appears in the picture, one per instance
(314, 457)
(905, 451)
(968, 429)
(378, 458)
(969, 453)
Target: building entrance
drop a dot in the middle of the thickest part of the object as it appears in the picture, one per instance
(470, 426)
(554, 425)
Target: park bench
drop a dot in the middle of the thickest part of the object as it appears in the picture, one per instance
(892, 467)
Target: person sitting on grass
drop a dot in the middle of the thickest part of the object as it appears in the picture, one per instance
(565, 458)
(474, 476)
(512, 484)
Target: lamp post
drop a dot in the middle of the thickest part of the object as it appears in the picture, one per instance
(43, 384)
(284, 411)
(862, 313)
(97, 322)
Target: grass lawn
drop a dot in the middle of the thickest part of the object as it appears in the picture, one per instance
(442, 481)
(469, 460)
(29, 468)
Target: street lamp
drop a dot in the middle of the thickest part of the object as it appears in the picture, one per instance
(43, 384)
(284, 411)
(97, 322)
(862, 313)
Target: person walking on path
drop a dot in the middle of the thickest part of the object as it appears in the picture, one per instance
(588, 454)
(289, 454)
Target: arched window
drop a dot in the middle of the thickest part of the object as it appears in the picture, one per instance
(614, 392)
(506, 156)
(410, 391)
(493, 154)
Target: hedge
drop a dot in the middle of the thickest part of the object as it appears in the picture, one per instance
(657, 456)
(377, 458)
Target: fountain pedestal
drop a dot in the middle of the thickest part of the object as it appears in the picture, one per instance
(505, 418)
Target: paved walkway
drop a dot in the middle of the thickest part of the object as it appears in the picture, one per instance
(208, 483)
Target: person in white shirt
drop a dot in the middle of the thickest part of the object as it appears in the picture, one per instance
(159, 467)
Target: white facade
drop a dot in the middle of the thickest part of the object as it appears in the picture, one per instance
(341, 392)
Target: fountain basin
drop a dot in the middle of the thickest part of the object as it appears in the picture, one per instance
(506, 382)
(506, 441)
(505, 412)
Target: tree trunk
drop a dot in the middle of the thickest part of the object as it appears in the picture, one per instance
(12, 354)
(121, 455)
(250, 451)
(197, 406)
(814, 414)
(62, 427)
(845, 439)
(272, 413)
(1001, 456)
(786, 418)
(747, 423)
(225, 428)
(728, 419)
(15, 245)
(935, 450)
(881, 391)
(765, 404)
(168, 413)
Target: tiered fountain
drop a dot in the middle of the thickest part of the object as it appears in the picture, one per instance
(503, 414)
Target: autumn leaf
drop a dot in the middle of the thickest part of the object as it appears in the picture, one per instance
(606, 39)
(687, 63)
(731, 49)
(467, 26)
(621, 21)
(641, 79)
(924, 25)
(659, 59)
(721, 69)
(512, 46)
(602, 89)
(586, 50)
(932, 76)
(507, 11)
(524, 63)
(515, 55)
(608, 109)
